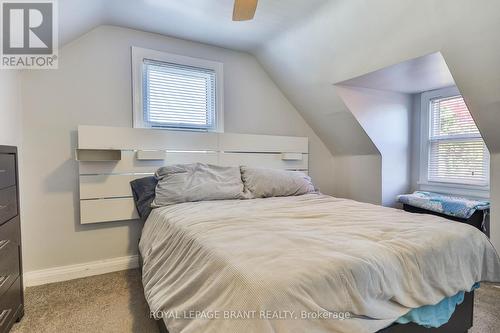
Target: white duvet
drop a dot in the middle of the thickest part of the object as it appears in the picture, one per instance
(298, 264)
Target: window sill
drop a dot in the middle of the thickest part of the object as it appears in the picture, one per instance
(468, 191)
(179, 129)
(185, 129)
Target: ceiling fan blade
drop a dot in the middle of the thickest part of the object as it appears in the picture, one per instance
(244, 10)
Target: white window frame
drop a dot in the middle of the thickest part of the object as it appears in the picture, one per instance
(138, 56)
(478, 191)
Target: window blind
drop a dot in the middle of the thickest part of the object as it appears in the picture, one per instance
(457, 153)
(179, 96)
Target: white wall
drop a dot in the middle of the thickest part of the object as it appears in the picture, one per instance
(10, 108)
(385, 116)
(93, 86)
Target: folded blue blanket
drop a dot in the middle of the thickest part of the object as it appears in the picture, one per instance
(435, 315)
(445, 204)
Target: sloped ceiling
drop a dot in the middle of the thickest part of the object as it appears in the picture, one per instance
(309, 45)
(349, 38)
(413, 76)
(207, 21)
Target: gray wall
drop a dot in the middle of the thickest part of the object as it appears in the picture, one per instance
(358, 177)
(93, 86)
(415, 142)
(10, 108)
(385, 116)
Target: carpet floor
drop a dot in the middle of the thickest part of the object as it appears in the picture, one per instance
(115, 303)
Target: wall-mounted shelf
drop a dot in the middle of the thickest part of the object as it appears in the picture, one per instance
(151, 155)
(98, 155)
(291, 156)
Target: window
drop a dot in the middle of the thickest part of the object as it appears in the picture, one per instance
(454, 149)
(176, 92)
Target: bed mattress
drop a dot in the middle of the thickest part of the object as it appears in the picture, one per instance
(310, 263)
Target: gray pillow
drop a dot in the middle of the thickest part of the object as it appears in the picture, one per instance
(143, 191)
(264, 183)
(197, 182)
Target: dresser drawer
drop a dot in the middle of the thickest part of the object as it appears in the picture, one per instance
(9, 264)
(7, 170)
(10, 303)
(10, 242)
(8, 204)
(11, 231)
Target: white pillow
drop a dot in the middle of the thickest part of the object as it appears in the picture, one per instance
(197, 182)
(264, 183)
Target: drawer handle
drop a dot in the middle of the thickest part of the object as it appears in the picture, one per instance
(4, 243)
(4, 315)
(2, 171)
(3, 279)
(2, 207)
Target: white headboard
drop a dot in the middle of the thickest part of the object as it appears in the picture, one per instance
(110, 157)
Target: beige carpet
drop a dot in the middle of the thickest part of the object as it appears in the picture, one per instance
(115, 303)
(105, 303)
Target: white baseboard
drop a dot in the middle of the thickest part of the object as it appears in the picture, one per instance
(64, 273)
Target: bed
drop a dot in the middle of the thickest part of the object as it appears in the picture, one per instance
(308, 255)
(307, 252)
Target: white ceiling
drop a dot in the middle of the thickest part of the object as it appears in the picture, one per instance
(411, 76)
(208, 21)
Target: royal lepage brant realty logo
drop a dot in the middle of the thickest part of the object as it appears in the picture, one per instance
(29, 34)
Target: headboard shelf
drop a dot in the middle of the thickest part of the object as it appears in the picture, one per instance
(110, 157)
(98, 155)
(292, 156)
(151, 155)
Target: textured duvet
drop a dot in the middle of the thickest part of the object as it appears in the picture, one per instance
(309, 263)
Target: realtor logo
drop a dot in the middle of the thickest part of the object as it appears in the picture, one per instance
(29, 34)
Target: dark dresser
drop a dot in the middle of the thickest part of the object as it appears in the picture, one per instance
(11, 277)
